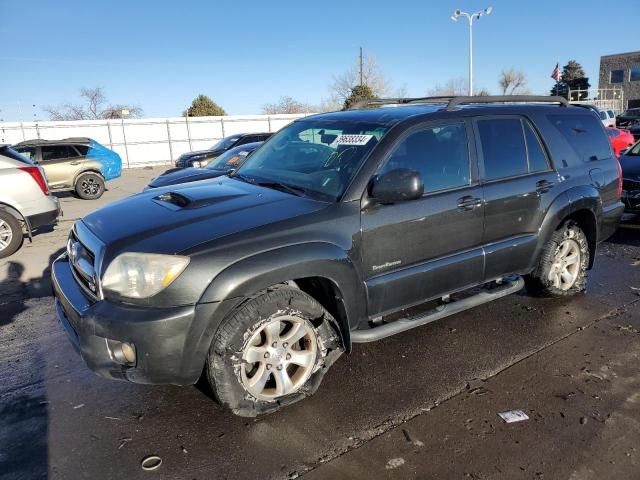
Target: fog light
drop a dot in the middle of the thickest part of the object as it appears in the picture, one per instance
(122, 352)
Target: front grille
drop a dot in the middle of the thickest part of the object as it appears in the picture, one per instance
(83, 250)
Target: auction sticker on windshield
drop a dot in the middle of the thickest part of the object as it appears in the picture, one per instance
(356, 140)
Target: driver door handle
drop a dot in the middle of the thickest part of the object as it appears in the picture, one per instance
(469, 203)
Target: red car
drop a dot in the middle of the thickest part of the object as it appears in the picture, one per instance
(620, 139)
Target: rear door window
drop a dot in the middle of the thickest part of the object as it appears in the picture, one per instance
(584, 134)
(537, 158)
(57, 152)
(503, 148)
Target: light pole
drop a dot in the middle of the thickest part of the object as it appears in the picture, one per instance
(470, 16)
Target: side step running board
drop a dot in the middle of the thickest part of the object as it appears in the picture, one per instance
(388, 329)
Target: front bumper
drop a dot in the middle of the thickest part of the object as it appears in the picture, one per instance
(171, 343)
(631, 195)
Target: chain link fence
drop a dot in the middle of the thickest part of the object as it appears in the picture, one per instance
(149, 141)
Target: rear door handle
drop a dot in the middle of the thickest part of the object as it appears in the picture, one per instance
(469, 203)
(544, 186)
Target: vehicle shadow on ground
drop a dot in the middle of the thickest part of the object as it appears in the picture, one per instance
(15, 291)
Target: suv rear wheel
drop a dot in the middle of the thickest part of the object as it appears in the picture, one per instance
(11, 237)
(562, 270)
(273, 351)
(89, 186)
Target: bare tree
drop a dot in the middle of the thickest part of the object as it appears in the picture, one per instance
(452, 87)
(288, 105)
(513, 82)
(456, 87)
(94, 107)
(372, 76)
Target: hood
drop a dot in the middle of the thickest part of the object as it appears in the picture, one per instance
(173, 219)
(208, 153)
(175, 176)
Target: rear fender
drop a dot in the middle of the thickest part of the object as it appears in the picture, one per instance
(19, 216)
(573, 200)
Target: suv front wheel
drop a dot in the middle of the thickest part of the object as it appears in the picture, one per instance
(273, 351)
(562, 270)
(89, 186)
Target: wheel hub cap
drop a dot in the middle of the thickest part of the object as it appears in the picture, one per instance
(279, 357)
(566, 265)
(6, 235)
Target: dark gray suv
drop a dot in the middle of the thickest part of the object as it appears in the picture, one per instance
(343, 227)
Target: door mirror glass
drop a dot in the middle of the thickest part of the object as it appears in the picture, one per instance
(398, 185)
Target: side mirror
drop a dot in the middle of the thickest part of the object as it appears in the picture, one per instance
(397, 185)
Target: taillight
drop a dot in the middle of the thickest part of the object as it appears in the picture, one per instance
(619, 178)
(36, 174)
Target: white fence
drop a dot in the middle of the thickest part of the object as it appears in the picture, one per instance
(147, 141)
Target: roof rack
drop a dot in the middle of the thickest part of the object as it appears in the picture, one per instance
(41, 141)
(455, 101)
(400, 101)
(507, 99)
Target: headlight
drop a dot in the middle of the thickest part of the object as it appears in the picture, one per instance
(196, 164)
(142, 275)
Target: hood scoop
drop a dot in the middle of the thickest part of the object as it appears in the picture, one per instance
(180, 201)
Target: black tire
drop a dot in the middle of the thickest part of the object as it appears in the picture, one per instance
(539, 281)
(89, 186)
(224, 361)
(11, 226)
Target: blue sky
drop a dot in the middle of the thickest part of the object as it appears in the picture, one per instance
(161, 54)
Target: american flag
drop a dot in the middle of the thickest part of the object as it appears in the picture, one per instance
(556, 75)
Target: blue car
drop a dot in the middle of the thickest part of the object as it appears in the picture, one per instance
(630, 163)
(81, 165)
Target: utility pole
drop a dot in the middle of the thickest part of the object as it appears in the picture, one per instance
(361, 69)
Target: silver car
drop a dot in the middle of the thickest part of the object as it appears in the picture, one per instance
(25, 201)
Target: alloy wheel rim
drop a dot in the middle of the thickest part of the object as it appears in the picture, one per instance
(279, 357)
(6, 234)
(566, 264)
(90, 186)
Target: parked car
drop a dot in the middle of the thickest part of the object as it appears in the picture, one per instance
(344, 227)
(608, 118)
(630, 163)
(628, 118)
(25, 202)
(81, 165)
(620, 139)
(229, 160)
(202, 157)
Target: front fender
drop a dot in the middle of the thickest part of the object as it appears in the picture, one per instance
(318, 259)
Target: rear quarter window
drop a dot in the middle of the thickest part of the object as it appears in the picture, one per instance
(585, 135)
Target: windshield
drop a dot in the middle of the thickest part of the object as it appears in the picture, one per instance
(231, 158)
(225, 143)
(316, 158)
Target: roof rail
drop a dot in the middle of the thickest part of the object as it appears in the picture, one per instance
(399, 101)
(507, 99)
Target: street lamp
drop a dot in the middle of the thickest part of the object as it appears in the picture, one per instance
(470, 16)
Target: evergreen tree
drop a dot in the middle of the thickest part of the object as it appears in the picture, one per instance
(573, 78)
(203, 106)
(358, 93)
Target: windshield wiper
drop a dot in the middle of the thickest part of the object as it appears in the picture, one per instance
(292, 189)
(242, 178)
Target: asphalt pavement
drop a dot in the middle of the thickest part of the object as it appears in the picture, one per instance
(422, 404)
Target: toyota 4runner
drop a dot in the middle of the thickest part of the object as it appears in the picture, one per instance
(344, 227)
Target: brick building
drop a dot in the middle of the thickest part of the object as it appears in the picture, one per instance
(622, 70)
